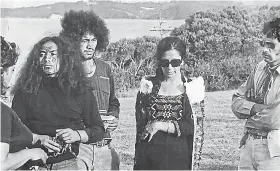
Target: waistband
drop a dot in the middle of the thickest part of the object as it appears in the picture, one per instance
(257, 136)
(103, 142)
(256, 132)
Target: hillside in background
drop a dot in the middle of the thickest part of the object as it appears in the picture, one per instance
(110, 9)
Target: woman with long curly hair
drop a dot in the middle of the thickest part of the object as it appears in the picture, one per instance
(15, 136)
(91, 36)
(53, 100)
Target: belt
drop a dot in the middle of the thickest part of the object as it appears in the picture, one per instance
(254, 136)
(102, 143)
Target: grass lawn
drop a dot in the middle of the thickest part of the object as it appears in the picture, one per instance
(222, 133)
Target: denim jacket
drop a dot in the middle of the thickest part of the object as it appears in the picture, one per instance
(102, 85)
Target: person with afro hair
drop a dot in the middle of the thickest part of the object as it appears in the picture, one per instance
(258, 101)
(90, 35)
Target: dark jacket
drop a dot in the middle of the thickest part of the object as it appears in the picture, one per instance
(51, 109)
(102, 85)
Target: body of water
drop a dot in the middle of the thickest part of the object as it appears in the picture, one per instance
(27, 31)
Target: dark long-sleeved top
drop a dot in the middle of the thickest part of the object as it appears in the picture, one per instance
(102, 85)
(185, 126)
(51, 109)
(13, 131)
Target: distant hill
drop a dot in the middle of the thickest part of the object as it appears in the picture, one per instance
(110, 9)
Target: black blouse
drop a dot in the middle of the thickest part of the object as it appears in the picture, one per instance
(146, 111)
(51, 109)
(13, 131)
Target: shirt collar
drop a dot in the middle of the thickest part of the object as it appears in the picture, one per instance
(278, 69)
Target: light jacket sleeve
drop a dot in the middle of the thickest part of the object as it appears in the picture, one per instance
(268, 118)
(240, 106)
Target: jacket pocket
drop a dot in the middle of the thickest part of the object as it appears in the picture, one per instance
(104, 93)
(105, 84)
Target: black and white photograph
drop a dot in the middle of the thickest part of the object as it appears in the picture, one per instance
(140, 85)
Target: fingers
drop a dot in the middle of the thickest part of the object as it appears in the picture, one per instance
(52, 145)
(112, 126)
(250, 94)
(49, 143)
(151, 136)
(68, 135)
(60, 132)
(106, 125)
(110, 129)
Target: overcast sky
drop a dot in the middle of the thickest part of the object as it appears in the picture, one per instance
(28, 3)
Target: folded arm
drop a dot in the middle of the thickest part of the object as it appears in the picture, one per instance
(269, 117)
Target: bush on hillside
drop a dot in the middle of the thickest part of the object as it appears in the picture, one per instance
(131, 59)
(222, 47)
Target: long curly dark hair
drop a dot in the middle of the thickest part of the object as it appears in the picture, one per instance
(76, 24)
(9, 53)
(9, 57)
(71, 75)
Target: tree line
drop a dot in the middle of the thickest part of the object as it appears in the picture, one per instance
(222, 46)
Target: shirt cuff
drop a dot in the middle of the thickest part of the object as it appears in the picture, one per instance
(83, 135)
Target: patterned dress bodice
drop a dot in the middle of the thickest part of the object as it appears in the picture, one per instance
(166, 108)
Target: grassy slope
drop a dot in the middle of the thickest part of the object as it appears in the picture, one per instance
(222, 133)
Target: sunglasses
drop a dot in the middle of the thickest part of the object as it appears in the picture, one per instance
(173, 62)
(267, 44)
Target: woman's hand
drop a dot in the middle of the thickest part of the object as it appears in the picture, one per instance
(49, 143)
(38, 153)
(153, 128)
(68, 135)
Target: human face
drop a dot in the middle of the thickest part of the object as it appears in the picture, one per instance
(271, 50)
(49, 60)
(173, 68)
(7, 75)
(88, 45)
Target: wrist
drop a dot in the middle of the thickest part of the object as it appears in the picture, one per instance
(83, 135)
(36, 138)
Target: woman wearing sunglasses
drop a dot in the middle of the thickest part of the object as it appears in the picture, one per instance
(164, 117)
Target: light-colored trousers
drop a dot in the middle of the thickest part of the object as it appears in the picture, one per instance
(254, 155)
(106, 158)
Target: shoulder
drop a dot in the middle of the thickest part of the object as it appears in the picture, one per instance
(102, 63)
(6, 113)
(146, 84)
(195, 89)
